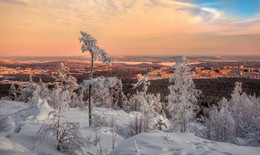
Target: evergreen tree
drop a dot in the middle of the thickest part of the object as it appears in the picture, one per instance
(30, 79)
(62, 74)
(238, 117)
(13, 92)
(183, 95)
(40, 81)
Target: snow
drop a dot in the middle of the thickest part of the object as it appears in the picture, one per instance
(8, 107)
(97, 53)
(21, 121)
(8, 147)
(38, 111)
(158, 142)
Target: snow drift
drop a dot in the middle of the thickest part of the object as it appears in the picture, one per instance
(12, 123)
(158, 142)
(21, 121)
(37, 111)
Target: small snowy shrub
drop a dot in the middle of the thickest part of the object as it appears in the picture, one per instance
(26, 93)
(67, 134)
(140, 123)
(99, 121)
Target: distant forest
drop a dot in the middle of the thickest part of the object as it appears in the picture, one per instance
(213, 90)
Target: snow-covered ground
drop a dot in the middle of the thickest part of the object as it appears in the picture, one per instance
(158, 142)
(19, 123)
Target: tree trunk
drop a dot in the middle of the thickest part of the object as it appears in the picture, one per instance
(89, 98)
(89, 107)
(61, 83)
(57, 131)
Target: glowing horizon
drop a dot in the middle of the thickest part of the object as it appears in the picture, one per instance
(130, 27)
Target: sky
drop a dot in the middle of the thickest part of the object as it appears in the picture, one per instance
(130, 27)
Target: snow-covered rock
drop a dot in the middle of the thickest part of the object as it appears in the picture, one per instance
(12, 122)
(37, 111)
(158, 142)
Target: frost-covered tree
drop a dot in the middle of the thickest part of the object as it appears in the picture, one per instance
(238, 88)
(67, 134)
(40, 81)
(71, 84)
(62, 74)
(118, 96)
(97, 54)
(144, 102)
(68, 87)
(67, 82)
(147, 104)
(183, 95)
(137, 125)
(220, 125)
(30, 78)
(245, 111)
(238, 117)
(65, 91)
(26, 93)
(13, 92)
(41, 91)
(19, 89)
(143, 80)
(236, 95)
(101, 89)
(223, 103)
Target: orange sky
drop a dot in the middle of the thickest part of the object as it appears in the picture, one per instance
(125, 27)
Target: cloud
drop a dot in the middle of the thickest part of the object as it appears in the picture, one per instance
(205, 14)
(122, 25)
(236, 26)
(124, 18)
(20, 2)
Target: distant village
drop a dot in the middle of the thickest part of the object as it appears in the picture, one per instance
(212, 72)
(155, 73)
(6, 73)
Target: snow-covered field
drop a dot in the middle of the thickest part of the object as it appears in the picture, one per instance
(19, 123)
(158, 142)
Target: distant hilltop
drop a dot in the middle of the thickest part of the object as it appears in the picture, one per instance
(8, 62)
(126, 59)
(150, 59)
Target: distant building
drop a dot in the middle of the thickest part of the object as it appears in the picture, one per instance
(207, 74)
(138, 76)
(224, 71)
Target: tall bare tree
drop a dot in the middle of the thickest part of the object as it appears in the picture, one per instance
(97, 54)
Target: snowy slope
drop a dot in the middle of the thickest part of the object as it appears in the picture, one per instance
(19, 123)
(158, 142)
